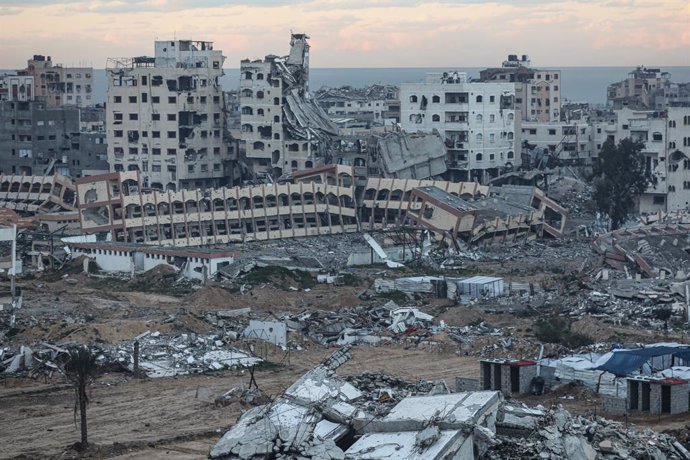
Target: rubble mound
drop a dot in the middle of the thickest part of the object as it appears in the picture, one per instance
(210, 297)
(560, 434)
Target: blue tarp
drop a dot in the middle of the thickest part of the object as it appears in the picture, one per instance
(623, 362)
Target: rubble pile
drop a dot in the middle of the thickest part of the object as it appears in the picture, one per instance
(382, 392)
(560, 434)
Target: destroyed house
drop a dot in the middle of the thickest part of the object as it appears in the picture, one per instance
(194, 263)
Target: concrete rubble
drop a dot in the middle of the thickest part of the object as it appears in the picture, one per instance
(367, 416)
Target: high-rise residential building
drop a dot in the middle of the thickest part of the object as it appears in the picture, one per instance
(283, 129)
(165, 116)
(475, 120)
(537, 91)
(60, 85)
(16, 88)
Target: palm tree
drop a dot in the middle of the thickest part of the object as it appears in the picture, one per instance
(81, 370)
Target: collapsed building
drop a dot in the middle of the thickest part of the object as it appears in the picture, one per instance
(283, 128)
(319, 201)
(408, 156)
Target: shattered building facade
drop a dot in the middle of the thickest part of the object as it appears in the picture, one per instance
(475, 120)
(59, 85)
(283, 128)
(166, 116)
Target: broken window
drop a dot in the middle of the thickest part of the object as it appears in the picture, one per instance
(413, 98)
(247, 128)
(185, 83)
(265, 131)
(247, 75)
(260, 112)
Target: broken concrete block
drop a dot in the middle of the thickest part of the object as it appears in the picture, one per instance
(578, 448)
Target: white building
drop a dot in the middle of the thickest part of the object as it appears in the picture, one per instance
(165, 116)
(568, 142)
(648, 127)
(194, 263)
(678, 157)
(476, 121)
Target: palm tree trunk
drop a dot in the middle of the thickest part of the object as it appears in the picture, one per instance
(82, 414)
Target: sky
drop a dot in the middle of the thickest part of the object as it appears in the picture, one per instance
(356, 33)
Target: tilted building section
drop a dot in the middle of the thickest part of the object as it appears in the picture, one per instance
(319, 201)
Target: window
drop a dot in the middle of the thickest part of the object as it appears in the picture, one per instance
(413, 98)
(172, 134)
(155, 134)
(155, 99)
(144, 97)
(216, 150)
(133, 116)
(156, 168)
(492, 157)
(435, 117)
(492, 99)
(479, 118)
(117, 116)
(492, 118)
(492, 138)
(478, 157)
(190, 168)
(172, 117)
(117, 99)
(155, 116)
(156, 151)
(172, 152)
(435, 99)
(480, 99)
(480, 138)
(510, 155)
(118, 133)
(172, 100)
(552, 132)
(216, 167)
(132, 99)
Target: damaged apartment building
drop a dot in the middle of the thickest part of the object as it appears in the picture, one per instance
(283, 128)
(665, 135)
(319, 201)
(39, 139)
(58, 85)
(165, 116)
(475, 120)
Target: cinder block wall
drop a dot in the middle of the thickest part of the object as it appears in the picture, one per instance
(612, 405)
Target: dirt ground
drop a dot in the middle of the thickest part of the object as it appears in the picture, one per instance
(164, 418)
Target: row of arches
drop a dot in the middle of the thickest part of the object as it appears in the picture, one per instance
(241, 204)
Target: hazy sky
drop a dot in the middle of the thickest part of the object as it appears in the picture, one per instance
(357, 33)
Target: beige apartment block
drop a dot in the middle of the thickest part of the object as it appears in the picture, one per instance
(165, 116)
(60, 85)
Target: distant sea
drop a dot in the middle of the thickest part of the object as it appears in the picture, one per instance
(579, 84)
